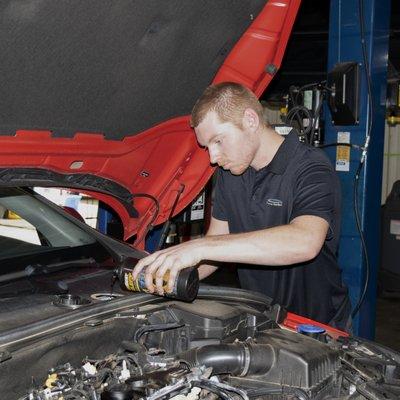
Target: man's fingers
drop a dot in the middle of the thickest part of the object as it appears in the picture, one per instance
(138, 268)
(168, 265)
(151, 271)
(144, 262)
(174, 265)
(172, 277)
(156, 267)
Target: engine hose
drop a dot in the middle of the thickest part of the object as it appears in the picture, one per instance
(238, 359)
(228, 388)
(212, 388)
(154, 328)
(298, 393)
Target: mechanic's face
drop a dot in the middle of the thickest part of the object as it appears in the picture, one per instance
(230, 147)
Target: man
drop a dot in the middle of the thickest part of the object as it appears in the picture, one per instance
(276, 211)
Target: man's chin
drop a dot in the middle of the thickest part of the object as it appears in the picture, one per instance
(237, 171)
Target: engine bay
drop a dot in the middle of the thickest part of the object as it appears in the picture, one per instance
(202, 350)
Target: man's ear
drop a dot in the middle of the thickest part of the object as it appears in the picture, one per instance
(250, 120)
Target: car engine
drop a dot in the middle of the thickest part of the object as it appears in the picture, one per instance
(209, 350)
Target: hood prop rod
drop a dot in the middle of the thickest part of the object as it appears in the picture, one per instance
(167, 223)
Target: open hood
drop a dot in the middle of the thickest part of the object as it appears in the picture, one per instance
(95, 95)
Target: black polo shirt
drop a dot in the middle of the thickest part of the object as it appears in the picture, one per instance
(298, 181)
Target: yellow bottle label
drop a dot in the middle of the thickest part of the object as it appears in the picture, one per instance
(139, 284)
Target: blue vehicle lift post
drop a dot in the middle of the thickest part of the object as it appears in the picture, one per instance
(345, 45)
(103, 218)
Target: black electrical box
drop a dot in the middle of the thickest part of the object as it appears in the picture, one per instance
(344, 84)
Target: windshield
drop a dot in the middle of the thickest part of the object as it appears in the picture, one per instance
(29, 226)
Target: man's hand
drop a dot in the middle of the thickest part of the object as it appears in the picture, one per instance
(170, 260)
(297, 242)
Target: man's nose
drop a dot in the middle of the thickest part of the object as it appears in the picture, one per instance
(214, 155)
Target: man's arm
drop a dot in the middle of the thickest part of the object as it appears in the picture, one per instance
(216, 228)
(299, 241)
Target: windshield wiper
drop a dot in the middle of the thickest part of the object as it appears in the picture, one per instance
(32, 252)
(43, 269)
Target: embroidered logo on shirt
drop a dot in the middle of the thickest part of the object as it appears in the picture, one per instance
(274, 202)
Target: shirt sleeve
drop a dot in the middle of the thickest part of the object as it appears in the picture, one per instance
(219, 203)
(315, 193)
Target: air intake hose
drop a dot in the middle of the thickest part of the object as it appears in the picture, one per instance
(240, 359)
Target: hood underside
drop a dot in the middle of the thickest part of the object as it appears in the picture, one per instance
(96, 94)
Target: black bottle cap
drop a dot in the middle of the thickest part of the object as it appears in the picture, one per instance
(188, 284)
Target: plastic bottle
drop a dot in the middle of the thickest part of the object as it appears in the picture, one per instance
(186, 285)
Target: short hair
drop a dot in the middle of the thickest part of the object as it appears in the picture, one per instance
(229, 100)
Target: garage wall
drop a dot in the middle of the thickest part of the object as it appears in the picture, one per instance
(391, 160)
(272, 116)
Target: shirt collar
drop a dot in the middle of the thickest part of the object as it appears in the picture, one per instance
(284, 154)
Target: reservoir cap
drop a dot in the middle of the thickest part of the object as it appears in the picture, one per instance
(309, 329)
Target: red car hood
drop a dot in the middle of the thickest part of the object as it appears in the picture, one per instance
(96, 95)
